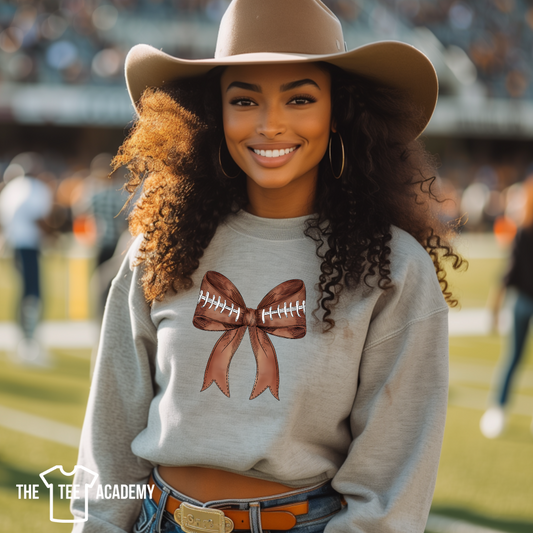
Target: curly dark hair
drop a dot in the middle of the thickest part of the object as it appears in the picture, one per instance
(172, 153)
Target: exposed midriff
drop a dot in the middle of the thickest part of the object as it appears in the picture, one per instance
(206, 484)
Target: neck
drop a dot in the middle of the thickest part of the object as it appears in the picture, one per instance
(294, 200)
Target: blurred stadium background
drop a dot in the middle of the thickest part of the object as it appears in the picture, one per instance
(63, 98)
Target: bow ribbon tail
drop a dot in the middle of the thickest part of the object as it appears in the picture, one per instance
(217, 368)
(267, 375)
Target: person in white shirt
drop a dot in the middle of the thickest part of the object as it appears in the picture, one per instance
(25, 202)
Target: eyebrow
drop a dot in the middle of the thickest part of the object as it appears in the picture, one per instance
(285, 87)
(298, 83)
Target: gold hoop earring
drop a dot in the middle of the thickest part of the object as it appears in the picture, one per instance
(220, 162)
(343, 158)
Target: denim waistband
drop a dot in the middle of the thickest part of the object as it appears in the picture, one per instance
(323, 500)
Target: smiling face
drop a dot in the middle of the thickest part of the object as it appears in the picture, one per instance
(277, 123)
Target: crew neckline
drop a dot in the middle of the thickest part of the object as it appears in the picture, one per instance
(271, 229)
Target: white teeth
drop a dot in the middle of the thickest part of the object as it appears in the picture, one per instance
(275, 153)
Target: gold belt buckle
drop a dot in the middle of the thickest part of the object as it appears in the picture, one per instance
(194, 519)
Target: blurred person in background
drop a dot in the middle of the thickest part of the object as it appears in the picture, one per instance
(519, 276)
(25, 203)
(105, 204)
(103, 200)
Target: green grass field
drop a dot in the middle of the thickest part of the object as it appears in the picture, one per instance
(487, 482)
(58, 393)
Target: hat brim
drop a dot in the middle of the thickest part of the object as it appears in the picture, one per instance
(390, 63)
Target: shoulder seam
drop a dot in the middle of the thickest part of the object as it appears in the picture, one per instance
(118, 284)
(148, 325)
(404, 327)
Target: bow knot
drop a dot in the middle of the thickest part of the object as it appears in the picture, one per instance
(221, 307)
(249, 318)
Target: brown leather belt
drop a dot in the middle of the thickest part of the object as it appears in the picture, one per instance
(282, 517)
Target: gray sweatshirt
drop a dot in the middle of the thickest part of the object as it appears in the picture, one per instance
(235, 373)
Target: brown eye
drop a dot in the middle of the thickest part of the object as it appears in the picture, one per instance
(303, 100)
(243, 102)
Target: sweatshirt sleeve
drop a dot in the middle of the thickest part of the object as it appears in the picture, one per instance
(117, 411)
(397, 423)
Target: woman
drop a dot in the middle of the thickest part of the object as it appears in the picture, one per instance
(283, 198)
(518, 276)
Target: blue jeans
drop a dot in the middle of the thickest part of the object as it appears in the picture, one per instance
(324, 503)
(522, 314)
(27, 263)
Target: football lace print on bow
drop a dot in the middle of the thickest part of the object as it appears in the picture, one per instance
(221, 307)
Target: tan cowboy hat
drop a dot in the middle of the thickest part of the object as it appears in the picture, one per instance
(290, 31)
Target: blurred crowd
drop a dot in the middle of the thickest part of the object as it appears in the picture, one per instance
(485, 204)
(497, 35)
(78, 42)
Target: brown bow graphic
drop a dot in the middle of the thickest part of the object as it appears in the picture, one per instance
(221, 307)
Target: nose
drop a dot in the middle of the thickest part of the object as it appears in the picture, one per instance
(271, 122)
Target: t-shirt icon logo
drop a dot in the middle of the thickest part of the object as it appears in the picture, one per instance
(68, 490)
